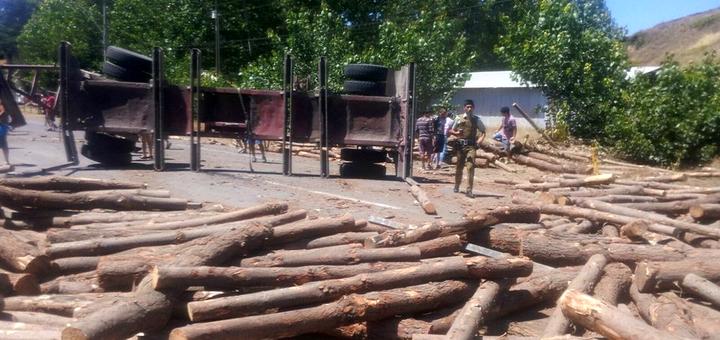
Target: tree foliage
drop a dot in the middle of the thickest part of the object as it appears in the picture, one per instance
(13, 15)
(573, 51)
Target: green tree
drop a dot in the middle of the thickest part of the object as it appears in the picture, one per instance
(13, 15)
(573, 51)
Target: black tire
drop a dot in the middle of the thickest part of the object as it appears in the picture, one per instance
(128, 59)
(122, 74)
(363, 155)
(108, 143)
(364, 88)
(362, 170)
(105, 157)
(366, 72)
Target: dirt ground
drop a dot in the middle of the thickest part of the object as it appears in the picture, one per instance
(228, 179)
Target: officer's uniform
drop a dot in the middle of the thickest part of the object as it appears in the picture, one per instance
(465, 147)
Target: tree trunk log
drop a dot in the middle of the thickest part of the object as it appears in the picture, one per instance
(18, 198)
(422, 198)
(69, 305)
(70, 184)
(20, 284)
(583, 182)
(309, 229)
(20, 256)
(703, 212)
(673, 207)
(73, 265)
(606, 320)
(559, 168)
(623, 190)
(35, 318)
(626, 199)
(350, 309)
(338, 239)
(601, 217)
(648, 275)
(474, 314)
(590, 273)
(121, 218)
(703, 288)
(614, 283)
(337, 255)
(638, 231)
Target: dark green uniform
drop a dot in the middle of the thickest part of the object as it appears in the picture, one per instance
(471, 128)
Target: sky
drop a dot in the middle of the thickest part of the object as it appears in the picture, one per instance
(637, 15)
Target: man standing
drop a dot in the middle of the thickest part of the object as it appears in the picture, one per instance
(4, 128)
(505, 134)
(424, 130)
(467, 132)
(440, 140)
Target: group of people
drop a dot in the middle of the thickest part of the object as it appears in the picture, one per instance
(463, 133)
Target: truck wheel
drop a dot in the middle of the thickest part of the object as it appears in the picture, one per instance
(128, 59)
(366, 72)
(364, 88)
(362, 170)
(363, 155)
(122, 74)
(106, 157)
(113, 144)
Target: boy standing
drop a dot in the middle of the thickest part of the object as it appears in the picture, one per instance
(505, 134)
(4, 129)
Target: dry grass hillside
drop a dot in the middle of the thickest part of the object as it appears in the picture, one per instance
(688, 38)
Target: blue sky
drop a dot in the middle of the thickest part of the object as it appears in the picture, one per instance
(636, 15)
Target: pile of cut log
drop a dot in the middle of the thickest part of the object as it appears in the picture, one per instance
(90, 259)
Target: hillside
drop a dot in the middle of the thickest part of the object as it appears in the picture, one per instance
(688, 38)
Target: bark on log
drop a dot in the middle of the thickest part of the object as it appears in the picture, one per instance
(68, 305)
(559, 168)
(491, 157)
(674, 315)
(18, 198)
(543, 157)
(71, 184)
(614, 283)
(674, 207)
(703, 288)
(350, 309)
(20, 284)
(35, 318)
(601, 217)
(507, 214)
(313, 229)
(636, 190)
(422, 198)
(590, 273)
(20, 256)
(474, 313)
(338, 239)
(638, 231)
(337, 255)
(441, 246)
(73, 265)
(704, 212)
(139, 217)
(72, 284)
(606, 320)
(574, 183)
(650, 274)
(625, 199)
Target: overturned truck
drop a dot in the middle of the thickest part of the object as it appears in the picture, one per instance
(372, 121)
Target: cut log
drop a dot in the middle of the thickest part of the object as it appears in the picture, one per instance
(35, 318)
(605, 319)
(331, 240)
(674, 315)
(70, 184)
(20, 256)
(473, 315)
(704, 212)
(19, 198)
(674, 207)
(650, 274)
(584, 182)
(543, 157)
(503, 166)
(67, 305)
(139, 217)
(313, 229)
(534, 125)
(638, 231)
(703, 288)
(623, 190)
(590, 273)
(613, 284)
(584, 227)
(73, 265)
(626, 199)
(422, 198)
(491, 157)
(601, 217)
(348, 310)
(20, 284)
(476, 221)
(72, 284)
(336, 255)
(559, 168)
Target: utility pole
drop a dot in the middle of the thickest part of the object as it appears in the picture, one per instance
(216, 16)
(104, 30)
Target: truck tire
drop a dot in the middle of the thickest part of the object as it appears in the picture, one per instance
(364, 88)
(105, 157)
(362, 170)
(108, 143)
(363, 155)
(122, 74)
(128, 59)
(366, 72)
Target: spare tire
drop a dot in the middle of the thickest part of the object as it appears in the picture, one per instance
(122, 74)
(366, 72)
(128, 59)
(364, 88)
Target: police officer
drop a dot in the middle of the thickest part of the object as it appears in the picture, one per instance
(466, 133)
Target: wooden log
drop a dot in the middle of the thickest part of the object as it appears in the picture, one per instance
(473, 314)
(21, 284)
(491, 157)
(665, 178)
(331, 240)
(503, 166)
(561, 154)
(703, 288)
(704, 212)
(623, 190)
(650, 274)
(20, 256)
(47, 333)
(313, 229)
(73, 265)
(584, 227)
(543, 157)
(68, 305)
(436, 322)
(35, 318)
(674, 315)
(336, 255)
(584, 182)
(674, 207)
(638, 231)
(534, 125)
(626, 199)
(18, 198)
(700, 241)
(422, 198)
(70, 184)
(165, 277)
(601, 217)
(86, 282)
(111, 217)
(614, 283)
(685, 226)
(605, 319)
(476, 221)
(559, 168)
(481, 162)
(701, 174)
(348, 310)
(590, 273)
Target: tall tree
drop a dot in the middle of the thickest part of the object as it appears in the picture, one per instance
(13, 15)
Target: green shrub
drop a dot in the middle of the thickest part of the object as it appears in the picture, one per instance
(671, 117)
